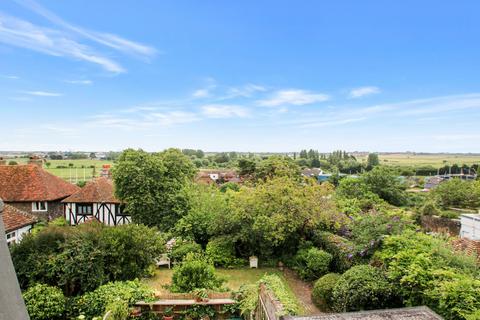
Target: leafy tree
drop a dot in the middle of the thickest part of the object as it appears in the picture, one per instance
(277, 166)
(372, 161)
(312, 263)
(246, 166)
(12, 163)
(457, 193)
(386, 184)
(276, 214)
(153, 185)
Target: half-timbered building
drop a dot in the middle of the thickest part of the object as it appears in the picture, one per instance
(95, 201)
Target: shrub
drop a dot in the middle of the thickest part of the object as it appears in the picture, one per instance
(430, 209)
(221, 251)
(339, 247)
(363, 287)
(112, 295)
(44, 302)
(54, 255)
(284, 295)
(312, 263)
(182, 248)
(323, 290)
(195, 272)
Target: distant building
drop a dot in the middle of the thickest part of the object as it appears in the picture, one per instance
(95, 201)
(219, 176)
(17, 223)
(432, 182)
(31, 189)
(312, 172)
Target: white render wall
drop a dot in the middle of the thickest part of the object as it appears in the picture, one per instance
(470, 228)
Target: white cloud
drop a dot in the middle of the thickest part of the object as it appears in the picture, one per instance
(107, 39)
(10, 77)
(245, 91)
(224, 111)
(293, 97)
(201, 93)
(82, 82)
(42, 93)
(21, 33)
(364, 91)
(174, 117)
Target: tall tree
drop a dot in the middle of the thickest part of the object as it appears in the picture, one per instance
(372, 161)
(153, 185)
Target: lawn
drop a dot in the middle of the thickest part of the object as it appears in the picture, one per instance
(235, 278)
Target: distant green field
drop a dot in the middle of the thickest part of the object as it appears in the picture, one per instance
(80, 171)
(436, 160)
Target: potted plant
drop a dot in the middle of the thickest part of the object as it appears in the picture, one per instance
(168, 313)
(200, 295)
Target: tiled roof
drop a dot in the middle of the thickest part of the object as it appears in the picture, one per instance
(415, 313)
(14, 219)
(98, 190)
(32, 183)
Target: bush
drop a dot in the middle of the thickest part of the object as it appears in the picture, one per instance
(340, 248)
(312, 263)
(221, 251)
(182, 248)
(112, 295)
(430, 209)
(195, 272)
(363, 287)
(278, 288)
(323, 290)
(79, 259)
(44, 302)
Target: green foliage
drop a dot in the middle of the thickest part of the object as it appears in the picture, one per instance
(117, 310)
(430, 209)
(312, 263)
(221, 251)
(79, 259)
(194, 272)
(353, 196)
(182, 248)
(112, 296)
(44, 302)
(322, 294)
(285, 296)
(362, 287)
(341, 249)
(372, 161)
(207, 206)
(273, 216)
(385, 182)
(277, 166)
(152, 185)
(457, 193)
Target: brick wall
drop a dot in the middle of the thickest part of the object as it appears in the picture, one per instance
(441, 225)
(470, 247)
(55, 209)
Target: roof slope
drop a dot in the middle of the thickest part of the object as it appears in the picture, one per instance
(14, 218)
(32, 183)
(99, 190)
(413, 313)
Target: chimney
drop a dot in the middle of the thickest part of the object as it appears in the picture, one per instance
(36, 161)
(2, 161)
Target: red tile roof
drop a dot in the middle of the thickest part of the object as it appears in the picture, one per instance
(32, 183)
(98, 190)
(14, 219)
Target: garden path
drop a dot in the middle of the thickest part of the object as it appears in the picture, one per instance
(303, 292)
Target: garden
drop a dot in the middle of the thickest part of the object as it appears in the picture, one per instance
(355, 240)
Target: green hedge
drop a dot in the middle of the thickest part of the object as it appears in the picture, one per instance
(322, 293)
(44, 302)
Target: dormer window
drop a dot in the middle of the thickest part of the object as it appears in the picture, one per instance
(39, 206)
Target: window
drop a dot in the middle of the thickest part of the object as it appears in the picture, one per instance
(39, 206)
(11, 237)
(120, 209)
(85, 208)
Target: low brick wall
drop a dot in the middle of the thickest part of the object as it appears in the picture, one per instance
(441, 225)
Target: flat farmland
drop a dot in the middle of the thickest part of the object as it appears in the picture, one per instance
(435, 160)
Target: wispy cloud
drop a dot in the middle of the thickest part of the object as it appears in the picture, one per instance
(42, 93)
(331, 122)
(10, 77)
(206, 91)
(21, 33)
(364, 91)
(107, 39)
(245, 91)
(295, 97)
(81, 82)
(224, 111)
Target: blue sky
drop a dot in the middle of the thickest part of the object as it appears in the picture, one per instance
(240, 75)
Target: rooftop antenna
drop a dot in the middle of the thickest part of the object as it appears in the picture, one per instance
(12, 305)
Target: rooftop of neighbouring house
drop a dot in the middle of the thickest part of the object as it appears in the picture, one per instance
(99, 190)
(14, 218)
(415, 313)
(31, 183)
